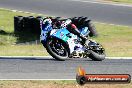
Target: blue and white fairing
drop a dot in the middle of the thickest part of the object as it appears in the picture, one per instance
(62, 33)
(68, 37)
(46, 26)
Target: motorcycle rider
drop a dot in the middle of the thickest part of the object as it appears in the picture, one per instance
(57, 24)
(73, 29)
(70, 26)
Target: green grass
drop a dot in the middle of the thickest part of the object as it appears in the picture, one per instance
(122, 1)
(23, 50)
(117, 40)
(8, 38)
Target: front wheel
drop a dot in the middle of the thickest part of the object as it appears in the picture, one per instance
(57, 49)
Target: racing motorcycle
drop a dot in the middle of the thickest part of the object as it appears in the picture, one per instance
(61, 44)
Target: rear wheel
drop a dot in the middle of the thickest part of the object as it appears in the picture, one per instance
(97, 52)
(57, 49)
(96, 56)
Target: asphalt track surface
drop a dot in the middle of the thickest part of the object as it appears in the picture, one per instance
(114, 14)
(48, 68)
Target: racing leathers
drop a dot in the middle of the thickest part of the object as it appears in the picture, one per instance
(73, 29)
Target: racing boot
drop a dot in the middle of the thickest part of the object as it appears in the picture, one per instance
(85, 40)
(73, 29)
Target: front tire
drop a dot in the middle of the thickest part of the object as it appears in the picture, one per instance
(56, 48)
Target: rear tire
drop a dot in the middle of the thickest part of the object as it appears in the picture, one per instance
(96, 57)
(97, 52)
(50, 47)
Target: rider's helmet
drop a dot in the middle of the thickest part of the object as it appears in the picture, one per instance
(65, 23)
